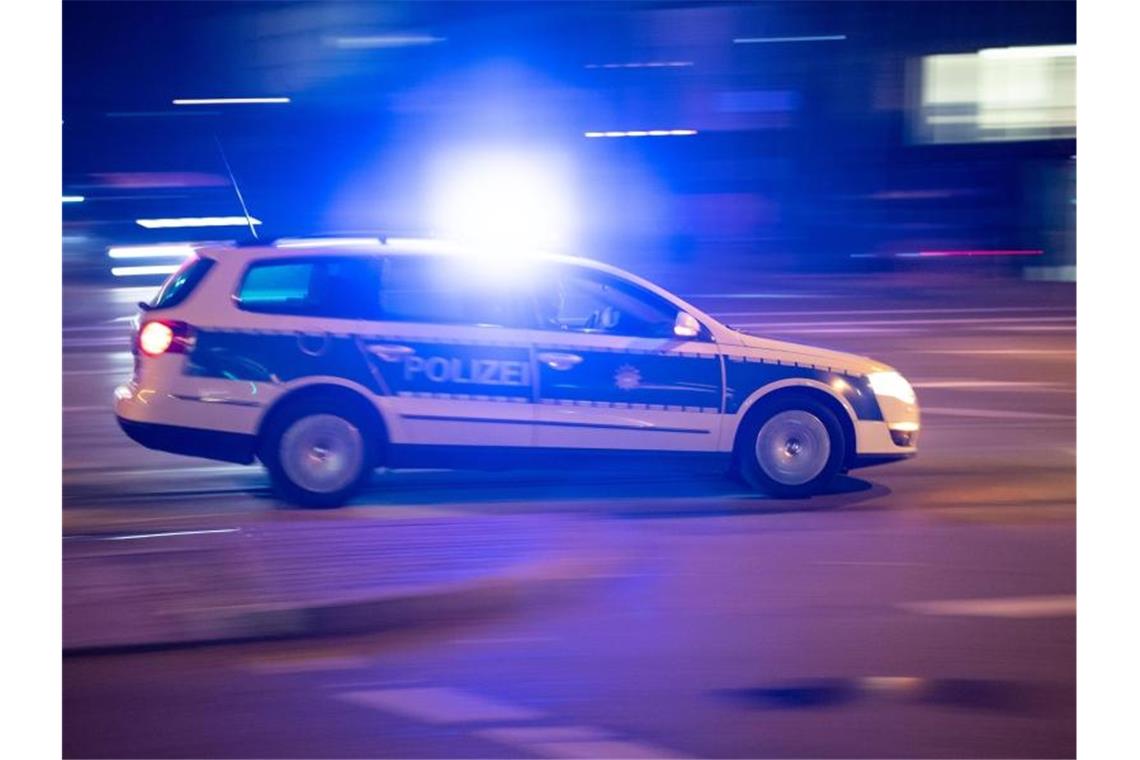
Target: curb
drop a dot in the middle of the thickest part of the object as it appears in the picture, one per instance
(536, 582)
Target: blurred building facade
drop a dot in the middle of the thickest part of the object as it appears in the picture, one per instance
(809, 136)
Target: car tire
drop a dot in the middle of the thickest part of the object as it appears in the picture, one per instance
(791, 447)
(317, 453)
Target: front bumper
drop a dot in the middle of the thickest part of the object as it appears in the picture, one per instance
(871, 460)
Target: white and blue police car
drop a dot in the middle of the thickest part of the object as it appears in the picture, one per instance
(327, 360)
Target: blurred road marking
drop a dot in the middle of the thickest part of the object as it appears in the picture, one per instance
(439, 705)
(904, 322)
(1010, 607)
(104, 328)
(506, 640)
(118, 340)
(571, 742)
(101, 520)
(171, 533)
(124, 371)
(286, 665)
(869, 563)
(1032, 328)
(446, 705)
(994, 385)
(843, 312)
(103, 473)
(1007, 514)
(830, 330)
(543, 734)
(999, 351)
(996, 414)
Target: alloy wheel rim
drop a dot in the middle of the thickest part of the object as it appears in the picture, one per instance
(793, 447)
(322, 453)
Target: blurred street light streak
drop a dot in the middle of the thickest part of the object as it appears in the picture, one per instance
(197, 221)
(814, 38)
(161, 251)
(386, 41)
(942, 254)
(645, 133)
(144, 270)
(998, 252)
(73, 199)
(1038, 51)
(226, 101)
(645, 65)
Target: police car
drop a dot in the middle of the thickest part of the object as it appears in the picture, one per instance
(326, 361)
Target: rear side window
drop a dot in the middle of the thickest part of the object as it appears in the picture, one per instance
(345, 288)
(181, 284)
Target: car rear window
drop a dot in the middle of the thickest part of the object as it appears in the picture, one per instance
(181, 284)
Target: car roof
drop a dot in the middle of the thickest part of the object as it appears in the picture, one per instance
(316, 247)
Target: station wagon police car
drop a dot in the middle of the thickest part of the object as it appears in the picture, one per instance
(325, 362)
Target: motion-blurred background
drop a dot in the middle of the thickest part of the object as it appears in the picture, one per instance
(809, 136)
(894, 179)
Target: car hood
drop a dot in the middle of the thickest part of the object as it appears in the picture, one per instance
(768, 348)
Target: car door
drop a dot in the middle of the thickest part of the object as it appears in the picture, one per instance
(611, 372)
(453, 359)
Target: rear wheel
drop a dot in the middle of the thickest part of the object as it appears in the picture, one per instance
(791, 447)
(317, 453)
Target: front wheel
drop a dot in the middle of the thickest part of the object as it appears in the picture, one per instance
(317, 456)
(791, 448)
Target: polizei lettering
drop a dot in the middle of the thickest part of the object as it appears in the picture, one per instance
(440, 369)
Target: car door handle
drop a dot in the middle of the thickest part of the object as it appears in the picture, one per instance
(390, 352)
(560, 361)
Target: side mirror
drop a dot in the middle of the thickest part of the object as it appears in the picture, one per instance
(686, 325)
(143, 306)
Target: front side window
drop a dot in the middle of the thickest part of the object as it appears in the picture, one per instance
(582, 300)
(438, 290)
(346, 288)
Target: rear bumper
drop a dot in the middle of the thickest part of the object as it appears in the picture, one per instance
(193, 442)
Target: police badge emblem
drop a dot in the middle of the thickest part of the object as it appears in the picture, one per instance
(627, 377)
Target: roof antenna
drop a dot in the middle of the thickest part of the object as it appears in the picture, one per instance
(237, 190)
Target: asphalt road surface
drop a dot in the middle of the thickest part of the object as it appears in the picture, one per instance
(925, 608)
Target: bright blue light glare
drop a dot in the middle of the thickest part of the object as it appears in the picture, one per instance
(73, 199)
(502, 203)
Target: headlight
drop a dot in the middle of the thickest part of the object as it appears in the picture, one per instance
(892, 384)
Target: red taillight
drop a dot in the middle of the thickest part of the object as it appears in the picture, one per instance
(157, 338)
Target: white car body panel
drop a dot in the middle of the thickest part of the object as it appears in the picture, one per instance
(607, 395)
